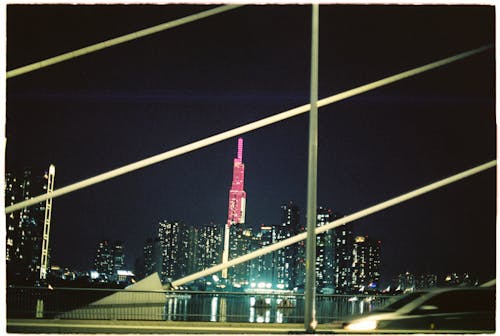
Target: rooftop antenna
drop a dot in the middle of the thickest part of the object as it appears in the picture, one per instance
(240, 149)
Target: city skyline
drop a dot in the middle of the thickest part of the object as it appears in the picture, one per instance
(202, 248)
(340, 254)
(97, 112)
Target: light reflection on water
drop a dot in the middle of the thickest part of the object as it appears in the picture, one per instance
(213, 309)
(260, 309)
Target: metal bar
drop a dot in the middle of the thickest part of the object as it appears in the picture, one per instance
(347, 219)
(310, 322)
(118, 40)
(44, 258)
(239, 130)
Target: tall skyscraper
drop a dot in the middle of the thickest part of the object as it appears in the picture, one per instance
(300, 259)
(109, 259)
(24, 228)
(366, 263)
(193, 250)
(325, 253)
(343, 258)
(103, 260)
(210, 246)
(185, 251)
(152, 256)
(237, 201)
(242, 240)
(334, 250)
(286, 258)
(262, 268)
(118, 258)
(174, 262)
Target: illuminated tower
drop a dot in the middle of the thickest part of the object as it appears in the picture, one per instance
(237, 197)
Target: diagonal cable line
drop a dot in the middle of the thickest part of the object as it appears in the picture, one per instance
(240, 130)
(357, 215)
(119, 40)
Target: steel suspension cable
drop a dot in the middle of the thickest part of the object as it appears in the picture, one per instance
(357, 215)
(240, 130)
(119, 40)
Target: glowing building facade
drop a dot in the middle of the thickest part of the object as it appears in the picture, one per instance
(118, 258)
(237, 194)
(344, 241)
(289, 265)
(174, 241)
(365, 263)
(263, 269)
(103, 260)
(25, 228)
(242, 242)
(325, 253)
(209, 246)
(237, 200)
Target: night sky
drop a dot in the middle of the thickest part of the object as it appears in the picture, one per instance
(125, 103)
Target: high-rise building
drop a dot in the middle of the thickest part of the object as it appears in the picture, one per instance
(242, 242)
(193, 250)
(366, 263)
(147, 259)
(103, 260)
(152, 256)
(24, 228)
(172, 239)
(300, 259)
(168, 233)
(109, 259)
(262, 269)
(334, 251)
(185, 251)
(237, 201)
(325, 252)
(286, 259)
(118, 258)
(209, 246)
(139, 268)
(343, 253)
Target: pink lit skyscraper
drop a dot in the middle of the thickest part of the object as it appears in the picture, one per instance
(237, 199)
(236, 209)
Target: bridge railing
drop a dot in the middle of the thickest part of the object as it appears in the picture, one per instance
(206, 306)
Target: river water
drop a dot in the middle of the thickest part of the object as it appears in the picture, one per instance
(193, 306)
(265, 309)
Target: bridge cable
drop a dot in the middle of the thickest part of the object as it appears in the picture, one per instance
(331, 225)
(119, 40)
(239, 130)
